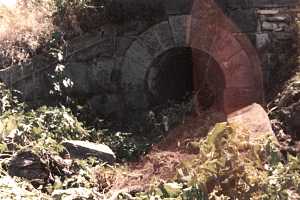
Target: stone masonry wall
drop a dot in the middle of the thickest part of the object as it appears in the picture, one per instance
(270, 25)
(97, 68)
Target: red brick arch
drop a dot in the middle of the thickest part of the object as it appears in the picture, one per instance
(208, 30)
(211, 31)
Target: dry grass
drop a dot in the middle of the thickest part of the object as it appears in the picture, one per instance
(23, 29)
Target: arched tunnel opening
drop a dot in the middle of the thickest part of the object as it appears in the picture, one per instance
(170, 77)
(182, 73)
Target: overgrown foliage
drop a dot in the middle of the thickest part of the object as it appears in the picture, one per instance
(284, 112)
(229, 166)
(23, 30)
(45, 126)
(41, 131)
(33, 26)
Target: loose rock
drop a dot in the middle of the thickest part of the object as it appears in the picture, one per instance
(84, 149)
(28, 165)
(254, 118)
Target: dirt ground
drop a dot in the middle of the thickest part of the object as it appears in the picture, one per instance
(160, 164)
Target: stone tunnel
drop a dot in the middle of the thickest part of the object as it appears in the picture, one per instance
(220, 56)
(189, 46)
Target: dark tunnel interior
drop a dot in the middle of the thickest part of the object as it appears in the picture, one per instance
(180, 72)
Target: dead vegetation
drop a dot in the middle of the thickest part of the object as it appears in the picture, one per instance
(34, 27)
(23, 30)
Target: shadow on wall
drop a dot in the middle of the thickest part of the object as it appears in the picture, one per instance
(231, 52)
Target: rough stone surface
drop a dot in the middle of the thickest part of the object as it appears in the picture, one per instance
(279, 18)
(253, 118)
(102, 75)
(268, 11)
(179, 25)
(175, 7)
(81, 78)
(239, 16)
(28, 165)
(267, 26)
(83, 149)
(262, 40)
(106, 104)
(275, 39)
(110, 67)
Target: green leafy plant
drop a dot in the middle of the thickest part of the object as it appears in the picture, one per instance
(230, 166)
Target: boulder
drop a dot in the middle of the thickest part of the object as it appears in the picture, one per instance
(83, 149)
(28, 165)
(254, 119)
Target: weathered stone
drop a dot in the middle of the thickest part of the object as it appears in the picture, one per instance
(239, 16)
(179, 25)
(223, 41)
(122, 44)
(283, 36)
(122, 11)
(268, 12)
(106, 104)
(268, 26)
(236, 98)
(253, 118)
(257, 3)
(262, 40)
(79, 74)
(135, 65)
(234, 3)
(27, 164)
(164, 34)
(150, 40)
(178, 7)
(134, 71)
(278, 18)
(139, 52)
(278, 3)
(94, 48)
(84, 149)
(282, 27)
(100, 75)
(136, 97)
(238, 71)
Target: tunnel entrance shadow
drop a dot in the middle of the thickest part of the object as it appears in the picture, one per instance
(181, 72)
